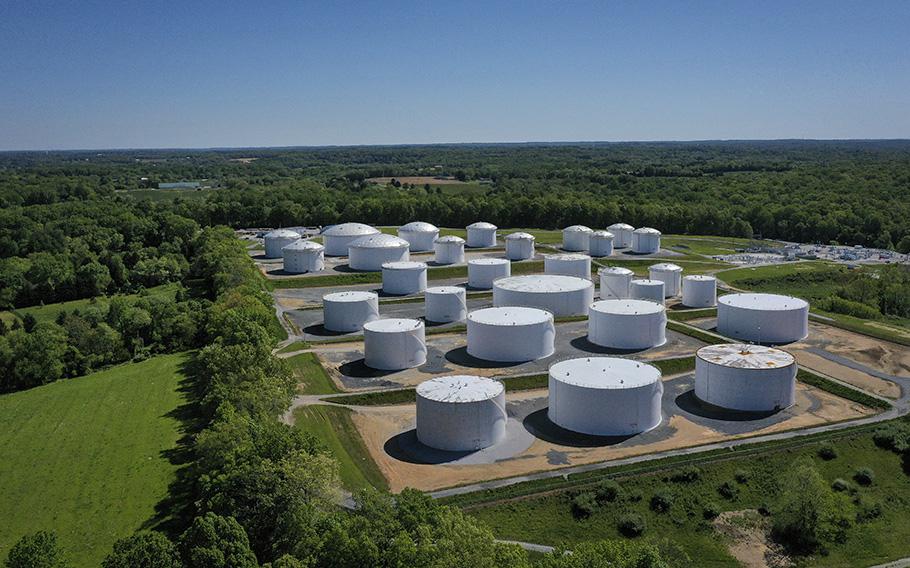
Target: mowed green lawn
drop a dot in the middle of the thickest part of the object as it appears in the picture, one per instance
(86, 457)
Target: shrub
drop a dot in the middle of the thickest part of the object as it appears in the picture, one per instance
(864, 476)
(710, 511)
(583, 505)
(866, 512)
(631, 525)
(894, 437)
(728, 491)
(661, 502)
(827, 452)
(607, 491)
(687, 474)
(741, 476)
(840, 485)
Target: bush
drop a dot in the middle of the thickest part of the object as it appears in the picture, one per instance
(607, 490)
(710, 511)
(631, 525)
(864, 476)
(894, 437)
(584, 505)
(728, 491)
(661, 502)
(827, 452)
(839, 305)
(840, 485)
(687, 474)
(741, 476)
(866, 512)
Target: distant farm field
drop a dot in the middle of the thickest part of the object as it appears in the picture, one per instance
(418, 180)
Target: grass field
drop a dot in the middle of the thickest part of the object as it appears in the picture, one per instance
(49, 312)
(311, 377)
(88, 457)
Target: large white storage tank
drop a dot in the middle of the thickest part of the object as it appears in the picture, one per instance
(445, 304)
(644, 289)
(449, 250)
(745, 377)
(763, 318)
(461, 413)
(572, 264)
(511, 334)
(615, 282)
(348, 311)
(420, 235)
(519, 246)
(483, 271)
(605, 396)
(668, 273)
(601, 243)
(622, 235)
(576, 238)
(303, 256)
(393, 344)
(645, 240)
(559, 295)
(369, 253)
(277, 240)
(627, 324)
(699, 291)
(338, 238)
(481, 235)
(405, 277)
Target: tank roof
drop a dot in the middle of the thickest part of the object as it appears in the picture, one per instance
(380, 240)
(392, 325)
(418, 227)
(603, 235)
(510, 316)
(605, 373)
(621, 227)
(646, 231)
(349, 230)
(543, 283)
(488, 261)
(350, 296)
(282, 233)
(303, 244)
(460, 388)
(769, 302)
(521, 235)
(404, 265)
(444, 290)
(666, 267)
(482, 225)
(450, 239)
(699, 277)
(567, 256)
(615, 270)
(627, 307)
(743, 356)
(647, 282)
(577, 229)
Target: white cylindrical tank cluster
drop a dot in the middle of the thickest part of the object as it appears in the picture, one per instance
(461, 413)
(763, 318)
(303, 256)
(627, 324)
(601, 243)
(369, 253)
(449, 250)
(644, 289)
(348, 311)
(404, 277)
(615, 282)
(605, 396)
(277, 240)
(622, 235)
(483, 271)
(394, 344)
(699, 291)
(419, 235)
(668, 273)
(645, 240)
(576, 238)
(568, 265)
(481, 235)
(745, 377)
(559, 295)
(511, 334)
(519, 246)
(338, 238)
(445, 304)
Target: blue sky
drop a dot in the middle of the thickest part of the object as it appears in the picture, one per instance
(204, 74)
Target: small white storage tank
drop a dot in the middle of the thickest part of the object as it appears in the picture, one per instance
(615, 282)
(404, 277)
(445, 304)
(483, 271)
(627, 324)
(481, 235)
(572, 264)
(419, 234)
(369, 253)
(338, 238)
(394, 344)
(511, 334)
(668, 273)
(699, 291)
(461, 413)
(576, 238)
(645, 240)
(763, 318)
(348, 311)
(745, 377)
(277, 240)
(601, 243)
(559, 295)
(449, 250)
(622, 235)
(303, 256)
(519, 246)
(644, 289)
(605, 396)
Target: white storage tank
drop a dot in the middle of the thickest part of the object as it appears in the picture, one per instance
(461, 413)
(481, 235)
(348, 311)
(277, 240)
(745, 377)
(644, 289)
(559, 295)
(605, 396)
(419, 234)
(645, 240)
(601, 243)
(511, 334)
(572, 264)
(622, 235)
(303, 256)
(763, 318)
(627, 324)
(338, 238)
(483, 271)
(404, 277)
(394, 344)
(699, 291)
(445, 304)
(519, 246)
(449, 250)
(615, 282)
(576, 238)
(369, 253)
(668, 273)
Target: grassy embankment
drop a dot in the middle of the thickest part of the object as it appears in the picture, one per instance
(311, 376)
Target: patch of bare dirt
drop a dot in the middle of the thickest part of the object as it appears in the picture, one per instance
(748, 537)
